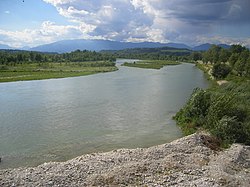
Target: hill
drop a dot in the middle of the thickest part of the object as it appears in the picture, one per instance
(206, 46)
(98, 45)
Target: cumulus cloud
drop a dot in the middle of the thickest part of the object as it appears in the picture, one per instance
(224, 40)
(48, 32)
(115, 20)
(152, 20)
(186, 21)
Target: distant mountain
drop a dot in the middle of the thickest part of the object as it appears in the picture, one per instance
(206, 46)
(25, 48)
(202, 47)
(3, 46)
(98, 45)
(178, 45)
(225, 46)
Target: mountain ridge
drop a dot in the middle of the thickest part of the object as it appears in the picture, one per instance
(206, 46)
(100, 45)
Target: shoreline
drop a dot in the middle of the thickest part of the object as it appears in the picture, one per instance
(46, 75)
(188, 161)
(151, 64)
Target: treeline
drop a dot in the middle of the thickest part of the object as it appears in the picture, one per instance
(13, 57)
(235, 60)
(163, 53)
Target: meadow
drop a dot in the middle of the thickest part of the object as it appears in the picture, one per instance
(37, 71)
(151, 64)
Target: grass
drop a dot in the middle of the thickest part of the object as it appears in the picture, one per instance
(151, 64)
(34, 71)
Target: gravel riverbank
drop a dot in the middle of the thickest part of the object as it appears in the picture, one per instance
(190, 161)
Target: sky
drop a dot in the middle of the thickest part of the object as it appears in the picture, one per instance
(192, 22)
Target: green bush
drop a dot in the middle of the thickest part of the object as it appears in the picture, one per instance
(223, 111)
(220, 71)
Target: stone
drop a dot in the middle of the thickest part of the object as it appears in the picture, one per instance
(190, 161)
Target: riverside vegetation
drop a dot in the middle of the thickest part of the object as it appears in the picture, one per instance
(161, 53)
(152, 64)
(223, 110)
(27, 65)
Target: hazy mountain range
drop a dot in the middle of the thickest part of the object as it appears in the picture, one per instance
(205, 47)
(98, 45)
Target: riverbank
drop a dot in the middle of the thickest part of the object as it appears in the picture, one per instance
(35, 71)
(222, 109)
(151, 64)
(190, 161)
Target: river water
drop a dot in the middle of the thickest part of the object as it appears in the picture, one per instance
(58, 119)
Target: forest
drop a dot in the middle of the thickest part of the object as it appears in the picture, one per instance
(13, 57)
(161, 53)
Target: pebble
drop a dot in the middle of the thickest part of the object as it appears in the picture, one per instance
(177, 163)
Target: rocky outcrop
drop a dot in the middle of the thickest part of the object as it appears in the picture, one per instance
(194, 160)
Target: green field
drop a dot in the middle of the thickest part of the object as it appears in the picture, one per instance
(151, 64)
(35, 71)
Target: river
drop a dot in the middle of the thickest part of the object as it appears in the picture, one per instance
(58, 119)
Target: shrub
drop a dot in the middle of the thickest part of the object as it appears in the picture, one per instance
(223, 111)
(220, 71)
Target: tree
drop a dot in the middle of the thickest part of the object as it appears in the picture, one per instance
(19, 57)
(237, 49)
(196, 56)
(224, 55)
(247, 67)
(233, 59)
(241, 62)
(38, 57)
(220, 71)
(214, 52)
(205, 57)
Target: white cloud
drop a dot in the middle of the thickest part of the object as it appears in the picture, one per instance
(122, 19)
(223, 40)
(47, 33)
(7, 12)
(114, 20)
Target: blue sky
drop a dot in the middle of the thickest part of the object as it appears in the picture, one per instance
(19, 15)
(36, 22)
